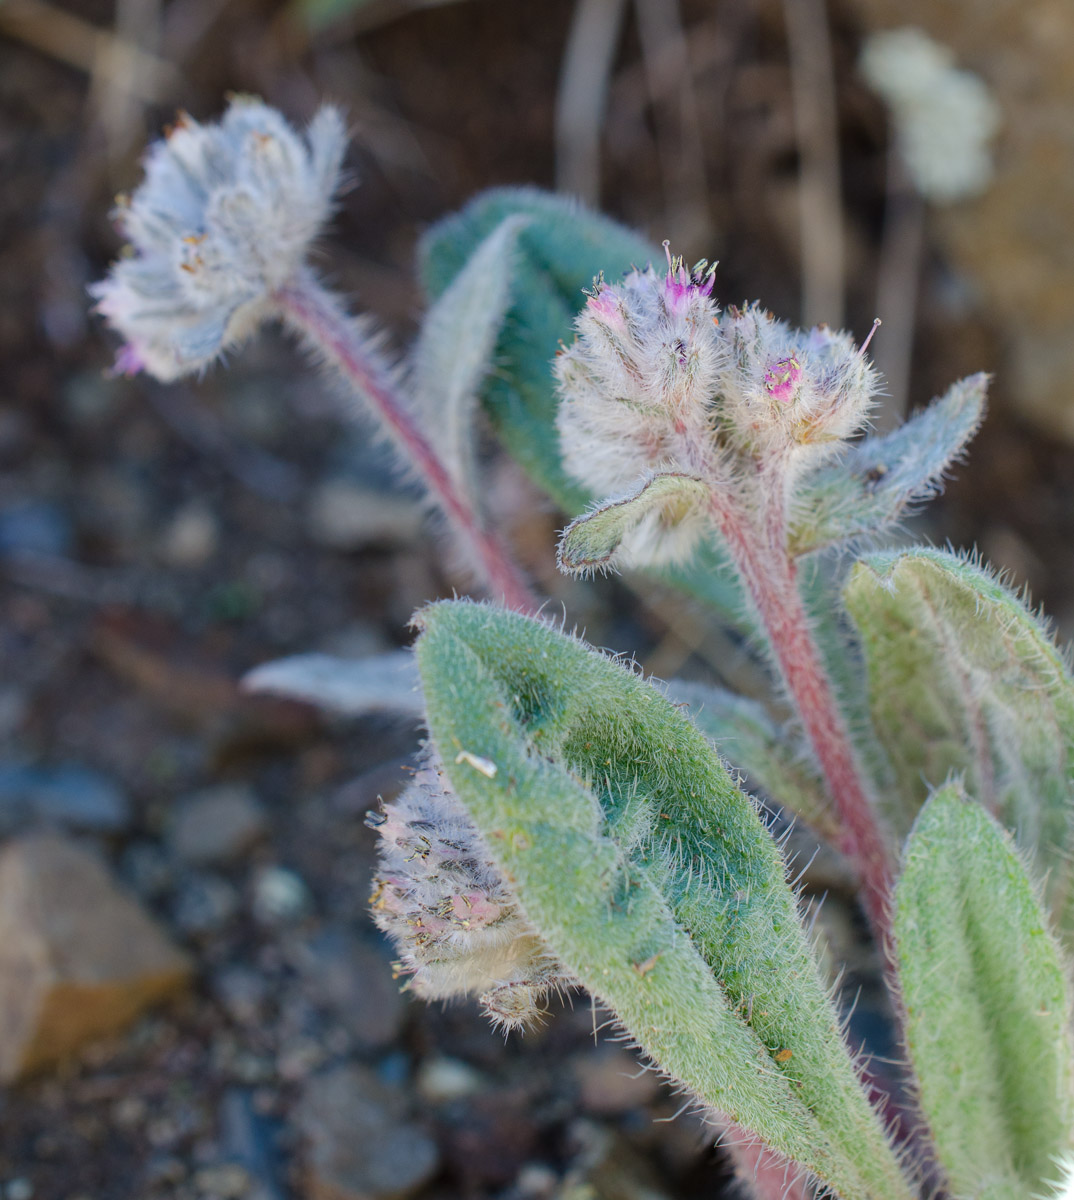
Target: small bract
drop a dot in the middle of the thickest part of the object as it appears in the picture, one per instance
(223, 219)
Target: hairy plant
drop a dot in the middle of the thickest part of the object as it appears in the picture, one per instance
(572, 825)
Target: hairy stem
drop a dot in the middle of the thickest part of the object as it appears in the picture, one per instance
(771, 578)
(316, 315)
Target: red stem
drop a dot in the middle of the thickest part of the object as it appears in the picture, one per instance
(768, 1175)
(771, 577)
(316, 315)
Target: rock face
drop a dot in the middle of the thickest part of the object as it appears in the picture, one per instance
(1016, 242)
(78, 958)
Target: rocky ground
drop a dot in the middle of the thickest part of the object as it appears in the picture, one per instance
(157, 543)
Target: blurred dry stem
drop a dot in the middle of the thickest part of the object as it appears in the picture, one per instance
(680, 145)
(583, 93)
(898, 279)
(817, 130)
(98, 52)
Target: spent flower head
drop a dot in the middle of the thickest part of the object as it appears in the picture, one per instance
(223, 219)
(454, 920)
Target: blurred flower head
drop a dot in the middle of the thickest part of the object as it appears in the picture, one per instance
(223, 219)
(944, 117)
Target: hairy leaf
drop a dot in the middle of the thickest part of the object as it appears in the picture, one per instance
(753, 743)
(869, 489)
(987, 1003)
(652, 879)
(454, 351)
(352, 687)
(607, 533)
(963, 678)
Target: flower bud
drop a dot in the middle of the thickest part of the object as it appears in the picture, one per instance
(788, 392)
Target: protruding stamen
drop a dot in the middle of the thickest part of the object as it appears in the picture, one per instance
(865, 345)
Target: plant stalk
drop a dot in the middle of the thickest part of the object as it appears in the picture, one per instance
(770, 575)
(316, 315)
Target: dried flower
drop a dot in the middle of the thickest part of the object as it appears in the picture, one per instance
(452, 916)
(223, 219)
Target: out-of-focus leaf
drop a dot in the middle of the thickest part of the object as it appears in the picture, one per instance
(964, 679)
(870, 488)
(987, 1003)
(352, 687)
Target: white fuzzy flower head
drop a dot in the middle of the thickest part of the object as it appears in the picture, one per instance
(454, 920)
(787, 391)
(656, 382)
(642, 369)
(944, 117)
(223, 219)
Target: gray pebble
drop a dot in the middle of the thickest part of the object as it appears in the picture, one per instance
(359, 1143)
(216, 825)
(72, 796)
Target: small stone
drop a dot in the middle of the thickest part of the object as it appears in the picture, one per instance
(355, 981)
(279, 895)
(242, 992)
(78, 958)
(69, 795)
(146, 867)
(442, 1079)
(191, 537)
(343, 516)
(612, 1082)
(359, 1143)
(217, 825)
(19, 1189)
(204, 904)
(229, 1181)
(35, 527)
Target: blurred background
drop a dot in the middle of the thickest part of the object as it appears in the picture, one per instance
(157, 543)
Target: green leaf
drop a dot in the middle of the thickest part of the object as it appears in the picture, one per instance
(595, 540)
(454, 351)
(652, 879)
(987, 1003)
(754, 744)
(964, 679)
(869, 489)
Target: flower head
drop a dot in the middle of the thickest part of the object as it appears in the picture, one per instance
(453, 918)
(789, 391)
(644, 367)
(656, 383)
(223, 219)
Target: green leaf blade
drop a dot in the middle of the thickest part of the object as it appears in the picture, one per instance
(650, 837)
(869, 490)
(456, 347)
(964, 679)
(987, 1003)
(648, 514)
